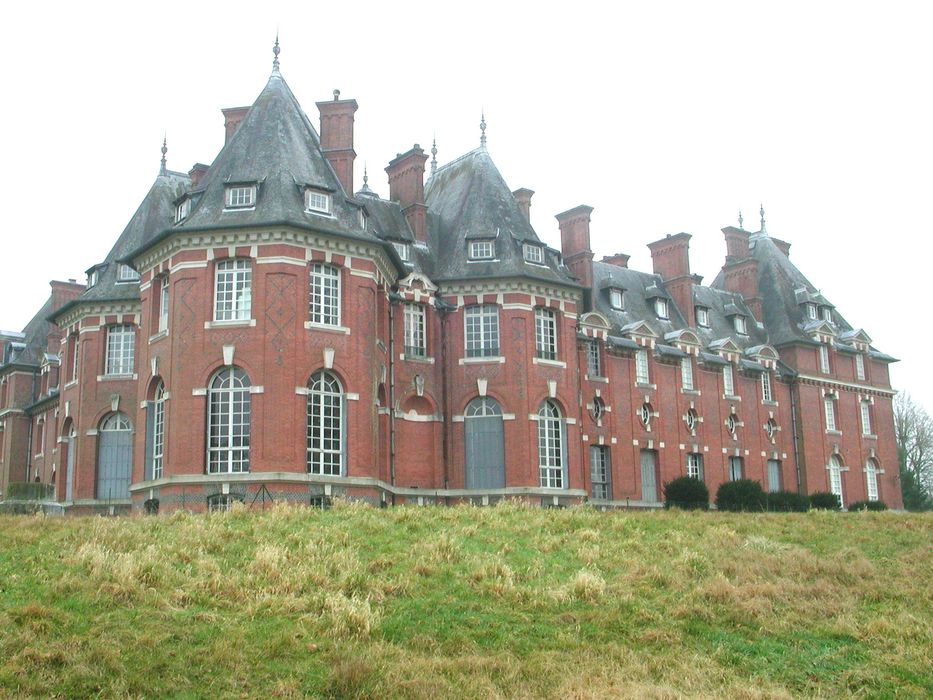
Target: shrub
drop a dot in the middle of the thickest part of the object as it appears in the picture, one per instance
(686, 492)
(824, 500)
(744, 494)
(867, 505)
(787, 502)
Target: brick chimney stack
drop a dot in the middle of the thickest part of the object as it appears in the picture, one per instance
(740, 272)
(619, 259)
(337, 137)
(670, 258)
(198, 171)
(523, 199)
(232, 118)
(406, 186)
(575, 242)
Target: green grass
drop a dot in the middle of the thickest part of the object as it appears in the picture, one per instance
(510, 602)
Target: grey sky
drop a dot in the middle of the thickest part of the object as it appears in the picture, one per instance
(665, 117)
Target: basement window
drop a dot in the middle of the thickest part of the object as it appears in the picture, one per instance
(240, 196)
(317, 201)
(222, 502)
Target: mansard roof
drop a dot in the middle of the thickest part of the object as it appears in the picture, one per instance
(468, 199)
(723, 307)
(31, 348)
(640, 288)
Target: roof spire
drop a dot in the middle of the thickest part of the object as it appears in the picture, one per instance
(482, 129)
(741, 220)
(762, 211)
(365, 188)
(434, 155)
(163, 169)
(275, 52)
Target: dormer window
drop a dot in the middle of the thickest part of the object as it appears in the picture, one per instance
(533, 253)
(317, 201)
(616, 301)
(660, 308)
(741, 327)
(812, 312)
(362, 218)
(240, 196)
(702, 316)
(484, 250)
(403, 250)
(827, 314)
(182, 209)
(125, 273)
(91, 278)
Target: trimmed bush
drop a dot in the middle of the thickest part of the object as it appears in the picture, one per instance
(867, 505)
(686, 492)
(741, 495)
(787, 502)
(824, 500)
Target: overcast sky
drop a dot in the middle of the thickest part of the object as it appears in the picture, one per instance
(665, 117)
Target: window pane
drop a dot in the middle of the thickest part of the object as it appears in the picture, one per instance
(325, 294)
(233, 290)
(228, 422)
(120, 348)
(325, 425)
(550, 446)
(481, 327)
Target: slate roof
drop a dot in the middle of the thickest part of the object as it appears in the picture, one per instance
(467, 200)
(639, 290)
(31, 349)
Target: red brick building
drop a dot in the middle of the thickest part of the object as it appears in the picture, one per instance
(261, 331)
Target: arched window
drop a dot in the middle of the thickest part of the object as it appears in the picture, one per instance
(871, 479)
(228, 420)
(114, 457)
(325, 424)
(158, 430)
(550, 446)
(484, 444)
(835, 477)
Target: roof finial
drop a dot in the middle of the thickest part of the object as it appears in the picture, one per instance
(365, 175)
(434, 155)
(275, 52)
(741, 220)
(163, 170)
(762, 211)
(482, 129)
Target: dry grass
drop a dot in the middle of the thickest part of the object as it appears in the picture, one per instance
(509, 601)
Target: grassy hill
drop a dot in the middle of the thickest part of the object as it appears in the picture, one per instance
(467, 602)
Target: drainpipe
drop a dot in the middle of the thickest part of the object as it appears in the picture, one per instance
(444, 308)
(793, 417)
(394, 298)
(29, 445)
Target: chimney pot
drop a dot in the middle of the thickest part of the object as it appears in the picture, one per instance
(232, 118)
(406, 186)
(575, 242)
(523, 199)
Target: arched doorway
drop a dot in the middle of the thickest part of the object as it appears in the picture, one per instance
(485, 450)
(114, 457)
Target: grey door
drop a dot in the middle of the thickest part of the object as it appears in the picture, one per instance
(485, 450)
(774, 475)
(114, 457)
(70, 468)
(649, 483)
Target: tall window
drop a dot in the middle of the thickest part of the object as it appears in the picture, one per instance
(545, 334)
(641, 367)
(835, 477)
(325, 424)
(158, 431)
(824, 359)
(228, 422)
(73, 369)
(766, 386)
(550, 446)
(233, 290)
(860, 366)
(695, 465)
(414, 330)
(593, 362)
(481, 330)
(163, 303)
(600, 472)
(120, 344)
(871, 479)
(728, 383)
(325, 294)
(829, 408)
(735, 468)
(774, 475)
(686, 373)
(865, 407)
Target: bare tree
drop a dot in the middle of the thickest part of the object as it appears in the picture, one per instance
(913, 432)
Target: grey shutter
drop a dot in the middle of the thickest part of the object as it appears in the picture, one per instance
(114, 460)
(774, 475)
(485, 453)
(649, 489)
(150, 439)
(70, 472)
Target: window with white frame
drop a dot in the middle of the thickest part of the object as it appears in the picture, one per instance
(702, 316)
(860, 367)
(550, 446)
(240, 196)
(695, 465)
(325, 294)
(835, 477)
(533, 253)
(824, 359)
(660, 308)
(125, 273)
(735, 468)
(403, 250)
(228, 421)
(740, 325)
(182, 209)
(865, 407)
(325, 425)
(728, 381)
(829, 409)
(871, 479)
(73, 369)
(545, 334)
(766, 386)
(163, 303)
(593, 360)
(121, 341)
(812, 312)
(415, 345)
(233, 290)
(481, 330)
(317, 201)
(600, 472)
(686, 373)
(827, 314)
(92, 278)
(616, 300)
(641, 366)
(482, 250)
(158, 431)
